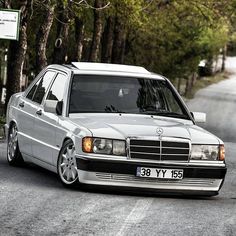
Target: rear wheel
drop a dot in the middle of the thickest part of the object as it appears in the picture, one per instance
(14, 157)
(66, 165)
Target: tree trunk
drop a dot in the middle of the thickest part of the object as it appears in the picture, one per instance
(79, 37)
(97, 32)
(42, 37)
(224, 58)
(61, 44)
(119, 43)
(107, 41)
(122, 50)
(179, 85)
(187, 85)
(193, 80)
(17, 51)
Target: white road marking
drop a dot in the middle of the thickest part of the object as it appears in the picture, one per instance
(136, 215)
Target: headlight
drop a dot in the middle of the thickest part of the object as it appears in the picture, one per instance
(104, 146)
(119, 148)
(207, 152)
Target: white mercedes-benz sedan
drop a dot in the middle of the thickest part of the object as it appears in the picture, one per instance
(113, 125)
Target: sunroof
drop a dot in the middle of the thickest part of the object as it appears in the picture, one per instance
(109, 67)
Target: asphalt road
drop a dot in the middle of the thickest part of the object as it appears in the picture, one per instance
(33, 202)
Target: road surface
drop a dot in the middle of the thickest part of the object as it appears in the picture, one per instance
(33, 202)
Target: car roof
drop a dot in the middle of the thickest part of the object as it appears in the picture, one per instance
(108, 69)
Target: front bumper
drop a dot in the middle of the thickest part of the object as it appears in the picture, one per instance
(197, 179)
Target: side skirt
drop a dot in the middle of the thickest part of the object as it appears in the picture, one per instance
(38, 162)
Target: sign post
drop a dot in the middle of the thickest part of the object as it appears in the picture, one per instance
(9, 24)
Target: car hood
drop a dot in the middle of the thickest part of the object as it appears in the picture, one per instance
(121, 126)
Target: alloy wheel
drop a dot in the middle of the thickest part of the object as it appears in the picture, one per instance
(12, 143)
(67, 165)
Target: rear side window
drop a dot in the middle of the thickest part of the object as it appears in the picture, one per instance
(57, 90)
(42, 86)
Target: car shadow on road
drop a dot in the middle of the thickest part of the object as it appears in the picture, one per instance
(28, 174)
(31, 174)
(141, 193)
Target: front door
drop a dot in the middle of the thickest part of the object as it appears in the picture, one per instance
(46, 123)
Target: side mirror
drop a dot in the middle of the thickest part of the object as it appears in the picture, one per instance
(50, 106)
(199, 117)
(53, 106)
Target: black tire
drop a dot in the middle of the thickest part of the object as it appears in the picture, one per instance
(66, 165)
(14, 156)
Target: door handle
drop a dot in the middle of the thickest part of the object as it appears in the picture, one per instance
(39, 112)
(22, 104)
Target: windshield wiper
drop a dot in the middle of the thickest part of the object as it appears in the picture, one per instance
(172, 114)
(96, 111)
(112, 109)
(162, 113)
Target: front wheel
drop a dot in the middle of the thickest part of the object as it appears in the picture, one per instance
(66, 165)
(14, 157)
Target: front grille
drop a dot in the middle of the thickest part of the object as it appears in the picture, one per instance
(160, 150)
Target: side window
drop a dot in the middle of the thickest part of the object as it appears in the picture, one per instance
(31, 92)
(42, 86)
(57, 90)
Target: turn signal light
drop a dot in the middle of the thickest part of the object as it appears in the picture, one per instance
(87, 144)
(222, 153)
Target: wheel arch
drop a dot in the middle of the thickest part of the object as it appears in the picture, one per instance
(65, 140)
(16, 158)
(11, 123)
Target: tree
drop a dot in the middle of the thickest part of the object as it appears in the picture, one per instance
(97, 31)
(107, 40)
(119, 42)
(79, 38)
(169, 37)
(60, 55)
(42, 35)
(17, 49)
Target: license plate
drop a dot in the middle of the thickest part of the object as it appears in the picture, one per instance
(160, 173)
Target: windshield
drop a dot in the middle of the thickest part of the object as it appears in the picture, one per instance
(113, 94)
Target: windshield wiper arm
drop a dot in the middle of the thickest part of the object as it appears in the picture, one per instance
(112, 109)
(163, 113)
(171, 114)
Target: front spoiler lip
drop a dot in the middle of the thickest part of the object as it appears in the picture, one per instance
(190, 186)
(152, 192)
(126, 167)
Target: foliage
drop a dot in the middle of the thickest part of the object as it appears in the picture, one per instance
(169, 37)
(2, 123)
(177, 36)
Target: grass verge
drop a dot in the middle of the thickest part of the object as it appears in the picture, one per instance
(206, 81)
(2, 122)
